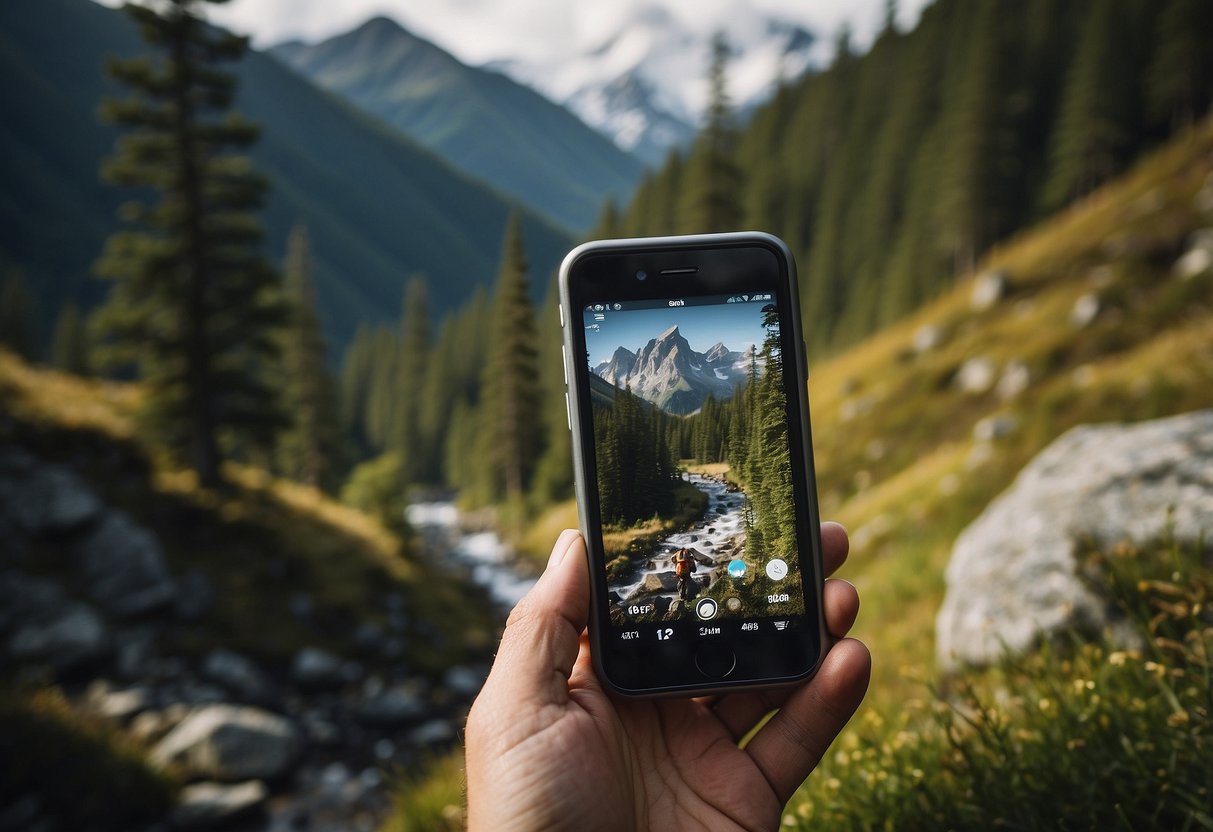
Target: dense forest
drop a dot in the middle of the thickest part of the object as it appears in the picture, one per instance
(890, 173)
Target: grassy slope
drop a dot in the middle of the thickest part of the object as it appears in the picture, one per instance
(260, 542)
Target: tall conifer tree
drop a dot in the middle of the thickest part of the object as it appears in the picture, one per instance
(712, 180)
(510, 409)
(69, 344)
(18, 315)
(410, 382)
(310, 450)
(194, 306)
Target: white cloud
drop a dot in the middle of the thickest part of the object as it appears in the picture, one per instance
(477, 31)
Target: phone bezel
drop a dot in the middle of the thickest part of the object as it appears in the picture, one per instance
(720, 261)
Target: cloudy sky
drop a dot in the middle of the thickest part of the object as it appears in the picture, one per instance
(482, 30)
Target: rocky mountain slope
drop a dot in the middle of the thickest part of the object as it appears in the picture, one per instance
(496, 129)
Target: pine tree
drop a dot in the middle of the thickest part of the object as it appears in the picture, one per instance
(553, 478)
(1180, 79)
(357, 369)
(310, 450)
(712, 185)
(70, 344)
(18, 316)
(410, 381)
(381, 399)
(194, 306)
(510, 408)
(1094, 132)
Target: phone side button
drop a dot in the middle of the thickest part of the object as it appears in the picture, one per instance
(715, 661)
(568, 414)
(560, 310)
(565, 361)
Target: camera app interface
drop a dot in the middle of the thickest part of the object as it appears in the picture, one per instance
(695, 487)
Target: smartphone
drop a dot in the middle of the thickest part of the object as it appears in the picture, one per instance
(687, 400)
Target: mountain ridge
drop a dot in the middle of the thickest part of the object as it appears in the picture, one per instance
(481, 121)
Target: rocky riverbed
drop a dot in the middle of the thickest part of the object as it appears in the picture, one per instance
(305, 741)
(714, 540)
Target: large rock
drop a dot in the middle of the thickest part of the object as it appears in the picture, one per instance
(317, 669)
(239, 674)
(1014, 576)
(48, 499)
(394, 706)
(209, 805)
(123, 567)
(232, 742)
(66, 635)
(665, 581)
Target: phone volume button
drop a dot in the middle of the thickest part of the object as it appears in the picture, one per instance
(560, 310)
(564, 359)
(568, 414)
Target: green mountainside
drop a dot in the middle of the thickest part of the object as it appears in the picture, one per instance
(481, 121)
(377, 206)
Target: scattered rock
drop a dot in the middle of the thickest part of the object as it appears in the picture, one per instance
(239, 674)
(394, 706)
(1084, 311)
(989, 288)
(135, 652)
(1192, 263)
(124, 568)
(1014, 380)
(52, 500)
(195, 595)
(301, 606)
(434, 732)
(66, 635)
(463, 680)
(975, 376)
(665, 581)
(22, 596)
(232, 742)
(994, 427)
(316, 669)
(1014, 578)
(120, 705)
(209, 805)
(927, 338)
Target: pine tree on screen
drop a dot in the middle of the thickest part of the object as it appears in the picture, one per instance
(194, 306)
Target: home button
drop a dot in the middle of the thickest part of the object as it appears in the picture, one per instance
(715, 661)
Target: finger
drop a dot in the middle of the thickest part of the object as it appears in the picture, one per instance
(542, 634)
(840, 603)
(834, 546)
(793, 741)
(740, 712)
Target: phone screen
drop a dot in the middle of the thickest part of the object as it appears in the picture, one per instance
(695, 487)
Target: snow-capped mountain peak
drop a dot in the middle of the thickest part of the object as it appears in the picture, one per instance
(644, 83)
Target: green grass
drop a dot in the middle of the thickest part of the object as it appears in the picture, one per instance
(1080, 736)
(82, 773)
(433, 802)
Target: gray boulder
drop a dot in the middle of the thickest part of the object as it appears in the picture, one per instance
(232, 742)
(394, 706)
(195, 595)
(51, 499)
(976, 375)
(65, 634)
(123, 567)
(210, 805)
(239, 674)
(1013, 578)
(660, 582)
(317, 669)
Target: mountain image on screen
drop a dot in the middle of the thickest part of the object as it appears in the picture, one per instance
(668, 373)
(693, 467)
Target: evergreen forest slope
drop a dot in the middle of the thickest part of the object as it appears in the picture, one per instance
(891, 173)
(377, 206)
(481, 121)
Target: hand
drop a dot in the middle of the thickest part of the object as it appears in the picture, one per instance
(548, 748)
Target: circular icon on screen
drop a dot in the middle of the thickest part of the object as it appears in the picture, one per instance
(618, 306)
(706, 609)
(777, 570)
(733, 603)
(736, 568)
